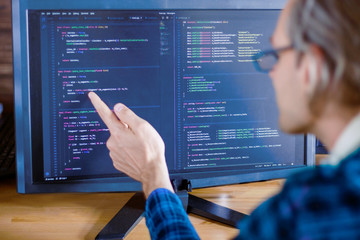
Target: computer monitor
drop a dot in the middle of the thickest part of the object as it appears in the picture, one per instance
(184, 66)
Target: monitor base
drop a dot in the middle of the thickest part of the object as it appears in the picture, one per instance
(133, 211)
(125, 220)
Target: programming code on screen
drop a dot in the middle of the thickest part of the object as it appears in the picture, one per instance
(188, 73)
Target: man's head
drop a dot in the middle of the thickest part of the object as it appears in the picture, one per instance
(322, 69)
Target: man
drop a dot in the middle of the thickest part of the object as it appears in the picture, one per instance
(317, 83)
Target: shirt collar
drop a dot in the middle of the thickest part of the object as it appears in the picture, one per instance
(347, 143)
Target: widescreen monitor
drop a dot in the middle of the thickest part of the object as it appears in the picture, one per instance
(184, 66)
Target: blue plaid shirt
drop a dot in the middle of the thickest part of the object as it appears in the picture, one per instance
(321, 203)
(166, 217)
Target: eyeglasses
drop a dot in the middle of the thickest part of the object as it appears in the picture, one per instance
(265, 61)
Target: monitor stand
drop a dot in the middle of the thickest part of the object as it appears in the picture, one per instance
(133, 211)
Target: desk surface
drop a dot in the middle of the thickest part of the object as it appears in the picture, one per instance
(83, 215)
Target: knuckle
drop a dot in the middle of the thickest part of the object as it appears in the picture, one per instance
(114, 160)
(109, 144)
(115, 165)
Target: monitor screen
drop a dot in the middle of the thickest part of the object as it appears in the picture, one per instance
(188, 72)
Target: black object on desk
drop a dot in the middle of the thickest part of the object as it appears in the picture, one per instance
(320, 147)
(133, 211)
(7, 145)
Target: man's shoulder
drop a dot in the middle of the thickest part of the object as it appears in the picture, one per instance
(326, 174)
(326, 183)
(321, 201)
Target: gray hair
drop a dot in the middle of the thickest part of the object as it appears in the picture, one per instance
(333, 26)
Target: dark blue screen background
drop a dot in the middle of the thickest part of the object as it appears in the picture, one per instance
(188, 73)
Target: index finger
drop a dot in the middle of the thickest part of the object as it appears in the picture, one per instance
(104, 111)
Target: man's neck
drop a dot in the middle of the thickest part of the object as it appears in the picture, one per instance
(329, 126)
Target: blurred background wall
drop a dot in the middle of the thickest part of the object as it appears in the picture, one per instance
(6, 68)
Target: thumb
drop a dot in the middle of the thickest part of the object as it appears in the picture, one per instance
(127, 116)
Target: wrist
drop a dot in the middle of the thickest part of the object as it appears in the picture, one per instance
(148, 189)
(157, 178)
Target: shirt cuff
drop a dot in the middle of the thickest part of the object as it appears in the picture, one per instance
(166, 217)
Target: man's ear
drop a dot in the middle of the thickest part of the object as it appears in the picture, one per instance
(311, 70)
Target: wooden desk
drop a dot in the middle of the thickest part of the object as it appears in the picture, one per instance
(83, 215)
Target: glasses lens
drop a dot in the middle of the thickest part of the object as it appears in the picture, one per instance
(267, 61)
